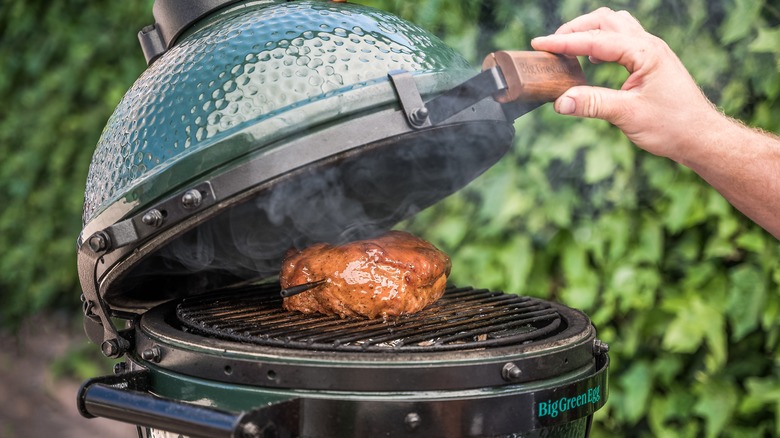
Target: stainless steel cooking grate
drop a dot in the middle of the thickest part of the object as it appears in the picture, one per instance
(463, 319)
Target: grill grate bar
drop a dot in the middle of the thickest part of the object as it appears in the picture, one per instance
(496, 324)
(227, 298)
(324, 326)
(437, 314)
(222, 309)
(485, 321)
(439, 321)
(327, 323)
(273, 318)
(464, 318)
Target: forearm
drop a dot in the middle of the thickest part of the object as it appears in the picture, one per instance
(743, 164)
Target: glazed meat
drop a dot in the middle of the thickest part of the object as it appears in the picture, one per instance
(394, 274)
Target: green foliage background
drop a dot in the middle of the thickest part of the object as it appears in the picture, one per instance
(682, 286)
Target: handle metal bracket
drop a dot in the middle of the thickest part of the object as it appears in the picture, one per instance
(421, 114)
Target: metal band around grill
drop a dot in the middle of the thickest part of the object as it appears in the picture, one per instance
(505, 412)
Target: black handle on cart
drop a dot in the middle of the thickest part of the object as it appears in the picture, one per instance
(122, 398)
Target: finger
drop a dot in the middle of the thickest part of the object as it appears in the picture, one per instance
(595, 102)
(590, 21)
(599, 45)
(603, 19)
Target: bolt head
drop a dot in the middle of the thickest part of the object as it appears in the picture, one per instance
(191, 199)
(511, 372)
(153, 218)
(151, 354)
(600, 347)
(412, 420)
(98, 242)
(419, 116)
(110, 348)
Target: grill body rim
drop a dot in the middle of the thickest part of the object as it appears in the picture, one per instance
(287, 368)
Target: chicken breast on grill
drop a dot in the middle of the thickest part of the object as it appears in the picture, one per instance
(394, 274)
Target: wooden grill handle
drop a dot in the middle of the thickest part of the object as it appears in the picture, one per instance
(534, 76)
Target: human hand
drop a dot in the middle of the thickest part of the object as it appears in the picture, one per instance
(659, 107)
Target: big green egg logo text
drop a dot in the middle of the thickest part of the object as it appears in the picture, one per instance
(551, 408)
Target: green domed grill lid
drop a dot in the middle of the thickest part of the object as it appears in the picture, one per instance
(268, 125)
(254, 69)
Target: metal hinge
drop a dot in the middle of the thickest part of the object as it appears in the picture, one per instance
(97, 314)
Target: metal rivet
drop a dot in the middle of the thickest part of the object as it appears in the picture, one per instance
(98, 242)
(153, 218)
(191, 199)
(412, 420)
(152, 354)
(419, 116)
(120, 368)
(511, 372)
(600, 347)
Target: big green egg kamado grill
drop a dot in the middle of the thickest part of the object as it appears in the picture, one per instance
(265, 125)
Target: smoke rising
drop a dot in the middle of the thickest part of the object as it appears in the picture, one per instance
(355, 196)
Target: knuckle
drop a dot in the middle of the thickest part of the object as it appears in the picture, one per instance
(593, 105)
(654, 45)
(629, 22)
(658, 43)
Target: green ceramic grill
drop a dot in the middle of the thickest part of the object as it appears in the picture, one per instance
(261, 126)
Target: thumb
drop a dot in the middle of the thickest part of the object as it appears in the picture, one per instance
(592, 102)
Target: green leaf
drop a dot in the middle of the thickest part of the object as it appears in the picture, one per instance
(696, 323)
(599, 164)
(752, 241)
(717, 400)
(668, 410)
(762, 392)
(682, 199)
(450, 231)
(650, 248)
(767, 41)
(747, 298)
(581, 288)
(518, 257)
(740, 21)
(636, 382)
